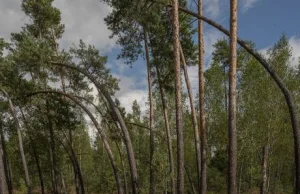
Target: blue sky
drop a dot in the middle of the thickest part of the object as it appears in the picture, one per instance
(261, 21)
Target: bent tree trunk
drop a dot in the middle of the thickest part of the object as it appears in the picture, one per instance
(168, 132)
(151, 114)
(114, 108)
(285, 91)
(194, 116)
(176, 52)
(232, 134)
(21, 149)
(100, 131)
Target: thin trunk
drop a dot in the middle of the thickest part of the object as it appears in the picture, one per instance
(5, 160)
(21, 149)
(190, 179)
(241, 175)
(36, 158)
(151, 114)
(53, 152)
(194, 118)
(3, 177)
(123, 169)
(117, 114)
(168, 132)
(203, 184)
(35, 154)
(179, 127)
(101, 133)
(285, 91)
(263, 186)
(232, 131)
(64, 190)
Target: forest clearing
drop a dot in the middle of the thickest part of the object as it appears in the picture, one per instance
(149, 96)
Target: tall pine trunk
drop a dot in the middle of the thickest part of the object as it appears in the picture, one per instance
(232, 131)
(203, 184)
(180, 145)
(168, 133)
(194, 116)
(151, 114)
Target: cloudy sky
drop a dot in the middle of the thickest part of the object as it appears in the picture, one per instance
(261, 21)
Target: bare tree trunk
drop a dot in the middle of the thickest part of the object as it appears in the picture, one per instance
(263, 186)
(190, 179)
(180, 145)
(117, 114)
(5, 161)
(168, 132)
(123, 169)
(203, 184)
(100, 131)
(3, 177)
(194, 117)
(285, 91)
(151, 114)
(232, 134)
(21, 149)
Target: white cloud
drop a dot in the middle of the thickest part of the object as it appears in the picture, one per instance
(212, 8)
(247, 4)
(295, 43)
(85, 20)
(11, 17)
(130, 90)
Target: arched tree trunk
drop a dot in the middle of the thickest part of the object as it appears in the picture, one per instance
(232, 131)
(100, 131)
(285, 91)
(176, 53)
(20, 140)
(194, 117)
(168, 132)
(151, 114)
(115, 110)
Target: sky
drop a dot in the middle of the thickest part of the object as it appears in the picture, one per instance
(261, 21)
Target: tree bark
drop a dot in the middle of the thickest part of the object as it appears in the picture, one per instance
(114, 108)
(3, 180)
(232, 131)
(168, 132)
(203, 184)
(194, 117)
(5, 160)
(123, 168)
(100, 131)
(263, 186)
(176, 53)
(285, 91)
(21, 149)
(151, 114)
